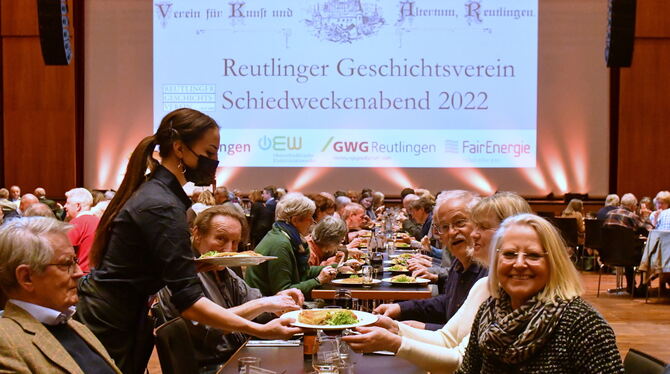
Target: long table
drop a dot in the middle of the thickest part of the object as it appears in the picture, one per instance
(383, 291)
(290, 360)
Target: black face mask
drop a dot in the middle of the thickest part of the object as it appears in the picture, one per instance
(204, 173)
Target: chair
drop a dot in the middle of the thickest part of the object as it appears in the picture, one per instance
(175, 349)
(619, 249)
(637, 362)
(593, 237)
(568, 229)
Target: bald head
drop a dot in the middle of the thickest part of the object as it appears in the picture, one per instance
(27, 200)
(40, 193)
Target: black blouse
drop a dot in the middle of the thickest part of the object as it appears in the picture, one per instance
(149, 246)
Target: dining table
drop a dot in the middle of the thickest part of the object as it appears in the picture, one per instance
(290, 360)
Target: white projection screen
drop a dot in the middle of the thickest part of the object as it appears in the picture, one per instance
(322, 95)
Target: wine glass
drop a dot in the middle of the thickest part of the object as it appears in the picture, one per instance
(327, 356)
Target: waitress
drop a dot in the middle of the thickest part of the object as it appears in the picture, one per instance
(142, 244)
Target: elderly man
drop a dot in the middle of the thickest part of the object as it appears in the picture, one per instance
(625, 216)
(220, 229)
(422, 213)
(41, 194)
(84, 222)
(454, 227)
(15, 194)
(39, 273)
(221, 195)
(354, 216)
(24, 203)
(409, 224)
(611, 203)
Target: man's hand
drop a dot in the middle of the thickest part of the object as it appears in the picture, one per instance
(424, 273)
(295, 294)
(415, 324)
(279, 304)
(388, 310)
(373, 339)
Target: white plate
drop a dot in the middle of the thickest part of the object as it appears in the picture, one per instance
(364, 319)
(341, 283)
(399, 254)
(419, 281)
(236, 260)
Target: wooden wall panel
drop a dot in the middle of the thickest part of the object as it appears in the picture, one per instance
(652, 19)
(644, 113)
(39, 130)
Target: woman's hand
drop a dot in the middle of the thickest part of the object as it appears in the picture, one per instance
(373, 339)
(387, 323)
(279, 328)
(388, 310)
(326, 275)
(355, 243)
(415, 324)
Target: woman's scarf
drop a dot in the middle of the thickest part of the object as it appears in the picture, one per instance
(513, 336)
(301, 254)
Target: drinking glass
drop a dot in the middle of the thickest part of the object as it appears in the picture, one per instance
(327, 356)
(244, 364)
(343, 298)
(367, 275)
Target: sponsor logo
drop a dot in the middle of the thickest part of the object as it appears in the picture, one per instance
(280, 143)
(491, 147)
(348, 146)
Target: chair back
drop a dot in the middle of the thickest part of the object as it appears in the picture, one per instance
(568, 228)
(593, 233)
(175, 348)
(620, 246)
(641, 363)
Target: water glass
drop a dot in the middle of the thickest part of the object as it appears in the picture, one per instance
(245, 363)
(327, 356)
(367, 275)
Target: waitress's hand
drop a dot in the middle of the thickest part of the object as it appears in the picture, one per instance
(278, 328)
(327, 274)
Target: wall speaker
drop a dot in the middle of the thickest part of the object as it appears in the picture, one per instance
(54, 32)
(620, 33)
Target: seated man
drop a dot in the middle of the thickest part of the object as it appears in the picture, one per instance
(39, 273)
(221, 228)
(453, 225)
(354, 216)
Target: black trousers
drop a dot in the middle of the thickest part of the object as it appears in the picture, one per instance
(119, 319)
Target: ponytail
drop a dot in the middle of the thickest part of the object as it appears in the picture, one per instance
(140, 160)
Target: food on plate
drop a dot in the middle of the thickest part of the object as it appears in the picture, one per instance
(403, 279)
(398, 268)
(354, 279)
(327, 317)
(213, 254)
(400, 261)
(405, 256)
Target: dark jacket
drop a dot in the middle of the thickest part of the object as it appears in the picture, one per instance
(262, 218)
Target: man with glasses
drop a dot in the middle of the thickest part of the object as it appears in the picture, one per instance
(453, 225)
(39, 273)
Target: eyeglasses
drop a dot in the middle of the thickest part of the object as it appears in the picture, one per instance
(443, 229)
(511, 255)
(70, 266)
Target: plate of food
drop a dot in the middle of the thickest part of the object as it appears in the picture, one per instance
(406, 280)
(330, 319)
(342, 274)
(403, 255)
(246, 258)
(397, 261)
(402, 245)
(353, 280)
(397, 269)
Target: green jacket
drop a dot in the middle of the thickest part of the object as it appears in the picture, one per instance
(273, 276)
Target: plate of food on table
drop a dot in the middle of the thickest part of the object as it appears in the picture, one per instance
(404, 279)
(402, 255)
(354, 280)
(397, 261)
(246, 258)
(330, 319)
(397, 269)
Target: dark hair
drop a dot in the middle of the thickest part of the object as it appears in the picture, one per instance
(272, 190)
(339, 193)
(322, 203)
(183, 124)
(405, 192)
(425, 203)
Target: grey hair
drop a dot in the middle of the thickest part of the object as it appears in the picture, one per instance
(469, 199)
(294, 204)
(23, 241)
(330, 230)
(612, 200)
(341, 201)
(81, 196)
(629, 201)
